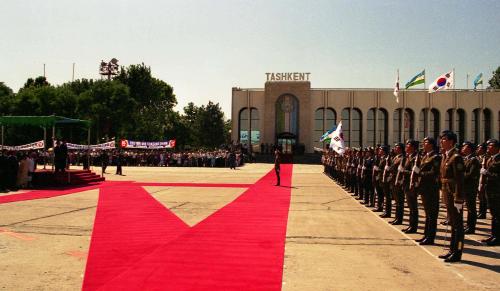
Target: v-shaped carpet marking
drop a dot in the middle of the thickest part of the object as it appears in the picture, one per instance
(137, 244)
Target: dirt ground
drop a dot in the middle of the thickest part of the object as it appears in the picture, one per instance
(332, 243)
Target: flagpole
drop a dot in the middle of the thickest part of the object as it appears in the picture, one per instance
(454, 78)
(425, 80)
(467, 81)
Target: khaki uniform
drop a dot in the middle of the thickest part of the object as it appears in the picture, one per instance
(396, 176)
(492, 190)
(471, 181)
(427, 185)
(452, 183)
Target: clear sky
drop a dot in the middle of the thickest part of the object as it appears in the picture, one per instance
(203, 48)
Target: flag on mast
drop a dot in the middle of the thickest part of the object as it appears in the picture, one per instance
(327, 135)
(478, 80)
(418, 79)
(442, 82)
(337, 142)
(396, 88)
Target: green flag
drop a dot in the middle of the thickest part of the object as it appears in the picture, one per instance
(418, 79)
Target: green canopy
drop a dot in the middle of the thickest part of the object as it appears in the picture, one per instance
(43, 121)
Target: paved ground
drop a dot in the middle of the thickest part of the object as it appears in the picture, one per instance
(333, 242)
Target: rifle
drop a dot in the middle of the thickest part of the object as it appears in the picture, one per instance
(412, 176)
(480, 188)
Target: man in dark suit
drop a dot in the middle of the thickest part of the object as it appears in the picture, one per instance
(277, 165)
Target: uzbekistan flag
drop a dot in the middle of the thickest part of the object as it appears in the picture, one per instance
(327, 135)
(478, 80)
(418, 79)
(443, 82)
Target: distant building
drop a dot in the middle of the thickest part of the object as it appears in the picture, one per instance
(289, 112)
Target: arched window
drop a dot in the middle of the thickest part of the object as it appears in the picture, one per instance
(460, 122)
(422, 126)
(487, 124)
(318, 126)
(396, 125)
(370, 130)
(331, 118)
(249, 129)
(254, 126)
(356, 120)
(475, 125)
(346, 125)
(409, 124)
(324, 120)
(243, 125)
(434, 123)
(449, 119)
(382, 126)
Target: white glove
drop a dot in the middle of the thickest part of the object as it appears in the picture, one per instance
(483, 172)
(416, 169)
(363, 168)
(387, 168)
(400, 169)
(375, 168)
(458, 206)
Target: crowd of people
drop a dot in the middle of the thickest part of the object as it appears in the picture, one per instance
(17, 167)
(438, 172)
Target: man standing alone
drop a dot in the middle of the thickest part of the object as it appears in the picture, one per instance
(277, 164)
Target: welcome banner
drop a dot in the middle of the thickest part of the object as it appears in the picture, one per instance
(131, 144)
(102, 146)
(26, 147)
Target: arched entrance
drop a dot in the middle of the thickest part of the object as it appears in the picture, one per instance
(287, 124)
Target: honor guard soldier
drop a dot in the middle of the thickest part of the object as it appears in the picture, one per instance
(427, 185)
(396, 177)
(452, 182)
(367, 177)
(387, 185)
(471, 182)
(378, 171)
(409, 186)
(483, 157)
(492, 189)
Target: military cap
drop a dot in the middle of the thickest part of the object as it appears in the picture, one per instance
(482, 146)
(493, 142)
(398, 144)
(470, 144)
(448, 134)
(430, 140)
(385, 148)
(413, 143)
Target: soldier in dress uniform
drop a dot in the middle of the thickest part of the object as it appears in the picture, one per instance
(483, 157)
(396, 178)
(492, 189)
(369, 198)
(471, 181)
(408, 184)
(452, 182)
(427, 185)
(277, 165)
(387, 183)
(378, 171)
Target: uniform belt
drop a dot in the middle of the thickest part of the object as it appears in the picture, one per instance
(447, 180)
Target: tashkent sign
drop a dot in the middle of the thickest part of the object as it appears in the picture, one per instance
(288, 76)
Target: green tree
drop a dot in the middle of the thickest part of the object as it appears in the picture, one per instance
(155, 100)
(209, 126)
(6, 96)
(495, 80)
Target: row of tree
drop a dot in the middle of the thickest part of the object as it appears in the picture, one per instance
(133, 105)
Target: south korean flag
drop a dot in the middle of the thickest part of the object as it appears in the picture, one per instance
(443, 82)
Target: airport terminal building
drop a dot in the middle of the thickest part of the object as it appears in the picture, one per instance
(288, 112)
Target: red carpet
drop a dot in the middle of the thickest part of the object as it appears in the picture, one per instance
(194, 185)
(49, 193)
(137, 244)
